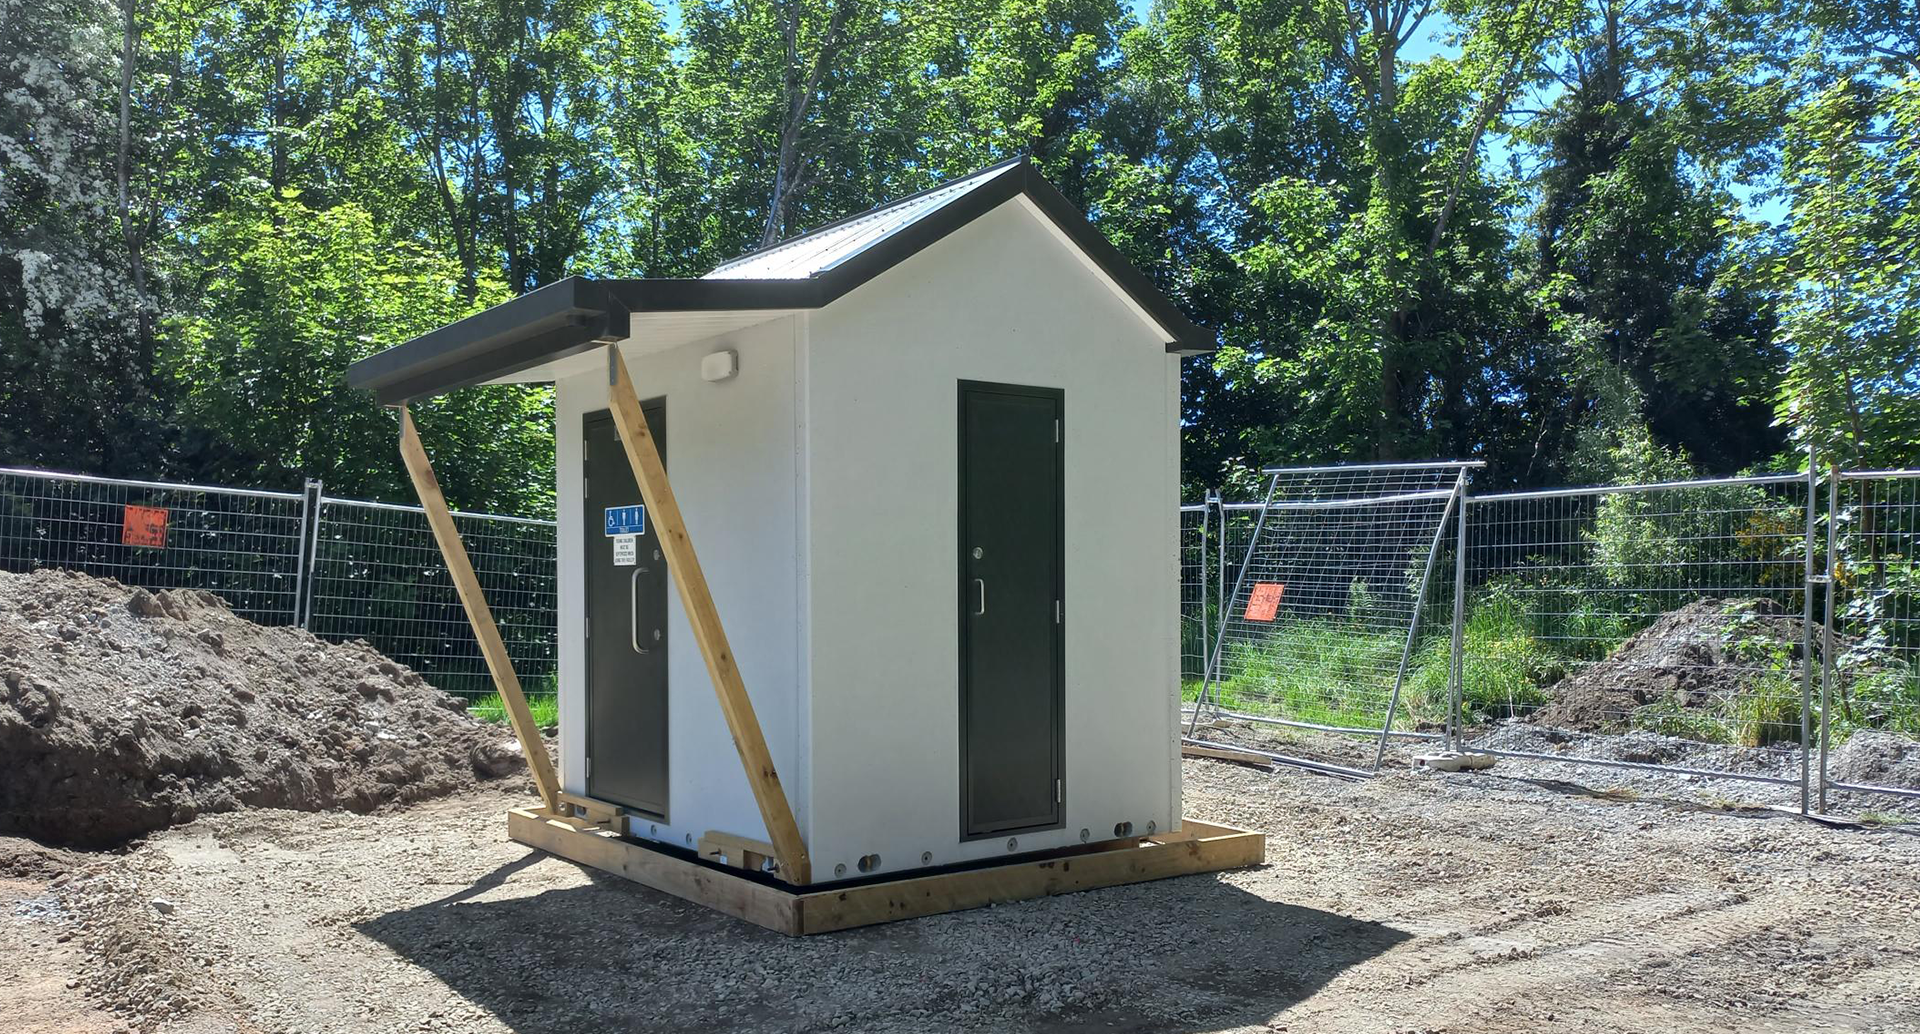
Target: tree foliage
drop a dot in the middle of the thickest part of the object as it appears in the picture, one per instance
(1571, 237)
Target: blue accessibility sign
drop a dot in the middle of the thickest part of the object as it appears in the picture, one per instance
(626, 520)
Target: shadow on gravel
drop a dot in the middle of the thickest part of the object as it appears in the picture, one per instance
(1185, 954)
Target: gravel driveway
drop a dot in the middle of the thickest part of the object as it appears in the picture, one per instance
(1469, 903)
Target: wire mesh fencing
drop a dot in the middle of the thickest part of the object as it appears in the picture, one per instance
(1870, 686)
(1744, 628)
(1763, 628)
(378, 575)
(1660, 625)
(1324, 611)
(1196, 606)
(239, 544)
(342, 568)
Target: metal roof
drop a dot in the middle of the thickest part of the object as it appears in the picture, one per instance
(578, 314)
(818, 251)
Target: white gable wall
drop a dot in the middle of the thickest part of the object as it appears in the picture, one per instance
(732, 457)
(1002, 299)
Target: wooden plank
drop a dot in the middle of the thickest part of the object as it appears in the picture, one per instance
(827, 910)
(736, 896)
(479, 615)
(1193, 829)
(1218, 754)
(600, 813)
(737, 851)
(1198, 847)
(697, 600)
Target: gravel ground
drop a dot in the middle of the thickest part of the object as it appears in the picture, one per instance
(1498, 901)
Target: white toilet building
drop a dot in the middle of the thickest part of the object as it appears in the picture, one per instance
(929, 459)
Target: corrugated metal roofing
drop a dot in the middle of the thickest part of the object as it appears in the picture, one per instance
(812, 254)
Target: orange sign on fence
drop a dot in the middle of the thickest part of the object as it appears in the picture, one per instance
(144, 526)
(1264, 603)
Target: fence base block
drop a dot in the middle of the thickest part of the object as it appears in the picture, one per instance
(1454, 761)
(764, 901)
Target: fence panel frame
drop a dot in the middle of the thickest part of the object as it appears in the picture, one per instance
(1807, 483)
(1837, 554)
(238, 543)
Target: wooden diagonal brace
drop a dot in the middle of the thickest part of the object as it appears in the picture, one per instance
(697, 600)
(479, 615)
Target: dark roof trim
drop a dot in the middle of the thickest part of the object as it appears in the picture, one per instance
(574, 315)
(562, 319)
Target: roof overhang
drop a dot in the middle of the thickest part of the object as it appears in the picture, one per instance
(578, 314)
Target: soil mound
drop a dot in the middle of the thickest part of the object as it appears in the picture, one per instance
(1698, 656)
(123, 711)
(1874, 758)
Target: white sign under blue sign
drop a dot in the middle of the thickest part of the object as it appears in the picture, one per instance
(626, 520)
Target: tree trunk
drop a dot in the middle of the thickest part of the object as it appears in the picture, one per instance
(131, 234)
(790, 162)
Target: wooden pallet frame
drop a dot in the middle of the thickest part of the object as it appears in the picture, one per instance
(1197, 847)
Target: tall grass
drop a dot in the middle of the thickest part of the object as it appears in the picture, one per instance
(1504, 666)
(1326, 671)
(545, 708)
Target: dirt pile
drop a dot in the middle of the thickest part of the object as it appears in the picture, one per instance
(1874, 758)
(123, 711)
(1698, 656)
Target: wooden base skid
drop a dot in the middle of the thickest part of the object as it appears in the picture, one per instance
(1198, 847)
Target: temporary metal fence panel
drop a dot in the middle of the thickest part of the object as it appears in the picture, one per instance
(1664, 626)
(1324, 608)
(1870, 686)
(238, 544)
(378, 575)
(1660, 626)
(1196, 570)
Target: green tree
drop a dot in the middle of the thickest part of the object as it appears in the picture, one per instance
(1849, 276)
(300, 293)
(75, 307)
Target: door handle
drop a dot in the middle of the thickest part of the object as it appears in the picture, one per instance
(633, 610)
(981, 584)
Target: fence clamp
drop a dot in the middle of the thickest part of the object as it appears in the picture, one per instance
(1819, 579)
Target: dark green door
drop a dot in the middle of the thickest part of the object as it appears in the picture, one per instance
(1012, 647)
(626, 626)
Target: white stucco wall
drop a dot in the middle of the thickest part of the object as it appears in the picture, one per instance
(1002, 299)
(732, 457)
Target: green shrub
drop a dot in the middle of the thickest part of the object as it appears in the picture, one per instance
(1884, 698)
(1361, 605)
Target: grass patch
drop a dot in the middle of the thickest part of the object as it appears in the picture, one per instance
(1324, 671)
(1669, 717)
(1767, 711)
(1504, 667)
(545, 708)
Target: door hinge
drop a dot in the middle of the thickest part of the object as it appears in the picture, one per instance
(589, 633)
(589, 766)
(584, 492)
(1056, 612)
(1059, 792)
(1056, 430)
